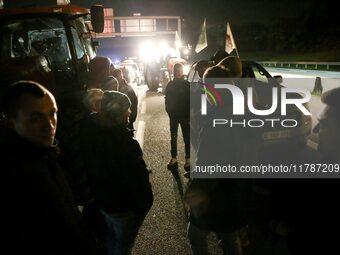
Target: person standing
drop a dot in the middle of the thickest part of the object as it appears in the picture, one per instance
(177, 105)
(218, 205)
(117, 173)
(38, 213)
(109, 83)
(322, 231)
(329, 126)
(127, 89)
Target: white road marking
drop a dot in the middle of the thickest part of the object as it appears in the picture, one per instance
(143, 109)
(140, 133)
(141, 124)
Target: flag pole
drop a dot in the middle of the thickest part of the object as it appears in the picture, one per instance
(230, 44)
(202, 42)
(238, 55)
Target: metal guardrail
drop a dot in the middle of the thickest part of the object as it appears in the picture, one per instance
(321, 66)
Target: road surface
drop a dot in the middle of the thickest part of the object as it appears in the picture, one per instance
(164, 229)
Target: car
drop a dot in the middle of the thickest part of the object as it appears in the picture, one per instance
(128, 73)
(135, 68)
(165, 78)
(263, 82)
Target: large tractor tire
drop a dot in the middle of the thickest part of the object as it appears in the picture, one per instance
(153, 84)
(152, 81)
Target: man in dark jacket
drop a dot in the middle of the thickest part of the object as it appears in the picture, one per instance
(117, 173)
(177, 105)
(38, 214)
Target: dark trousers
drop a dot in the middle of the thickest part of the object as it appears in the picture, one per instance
(184, 122)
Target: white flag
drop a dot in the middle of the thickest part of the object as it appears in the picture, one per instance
(229, 40)
(202, 40)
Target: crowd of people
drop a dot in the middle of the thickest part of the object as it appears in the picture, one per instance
(45, 211)
(40, 214)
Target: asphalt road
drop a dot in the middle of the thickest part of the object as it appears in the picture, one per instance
(164, 229)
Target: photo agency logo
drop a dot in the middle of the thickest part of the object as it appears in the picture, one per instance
(272, 108)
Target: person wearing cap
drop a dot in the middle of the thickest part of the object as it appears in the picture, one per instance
(110, 83)
(118, 175)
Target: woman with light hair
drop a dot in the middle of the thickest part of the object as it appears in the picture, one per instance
(92, 99)
(118, 175)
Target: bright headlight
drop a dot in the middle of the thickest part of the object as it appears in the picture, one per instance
(148, 52)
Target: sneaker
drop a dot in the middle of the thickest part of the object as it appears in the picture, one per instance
(173, 164)
(186, 174)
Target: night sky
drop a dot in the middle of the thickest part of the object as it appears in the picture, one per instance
(235, 11)
(279, 25)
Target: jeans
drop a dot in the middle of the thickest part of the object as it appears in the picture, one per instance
(184, 122)
(231, 242)
(122, 230)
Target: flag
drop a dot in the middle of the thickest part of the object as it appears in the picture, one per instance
(229, 40)
(202, 40)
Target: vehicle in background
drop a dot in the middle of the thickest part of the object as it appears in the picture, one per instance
(160, 73)
(128, 73)
(152, 74)
(159, 54)
(137, 73)
(53, 45)
(260, 79)
(165, 78)
(52, 39)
